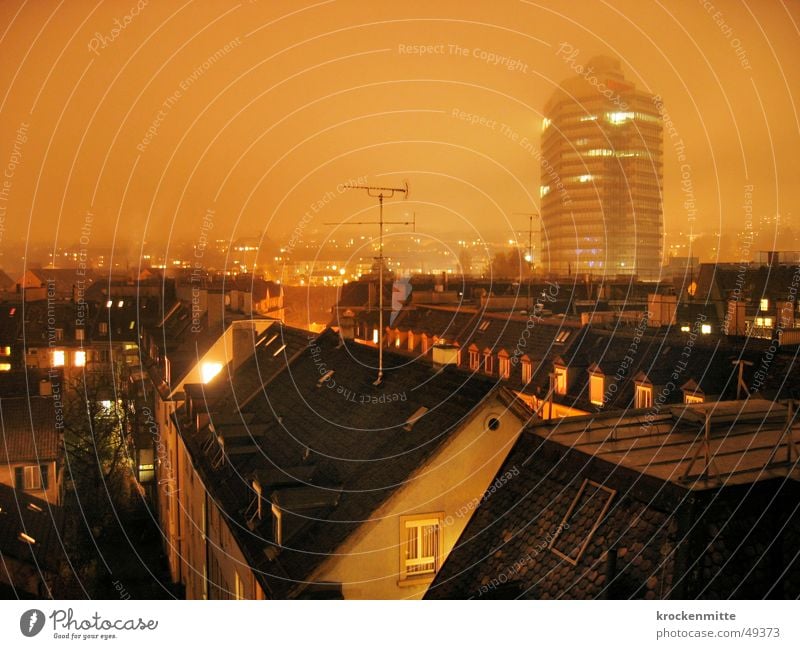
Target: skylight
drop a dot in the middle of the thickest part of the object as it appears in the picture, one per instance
(584, 516)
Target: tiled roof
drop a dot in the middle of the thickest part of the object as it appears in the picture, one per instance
(28, 430)
(40, 520)
(654, 535)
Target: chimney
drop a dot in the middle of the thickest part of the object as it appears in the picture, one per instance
(244, 342)
(45, 388)
(216, 310)
(347, 325)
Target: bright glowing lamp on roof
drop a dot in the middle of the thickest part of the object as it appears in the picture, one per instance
(209, 370)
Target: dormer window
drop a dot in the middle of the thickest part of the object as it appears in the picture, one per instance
(474, 358)
(692, 398)
(527, 369)
(488, 362)
(504, 364)
(561, 380)
(644, 396)
(597, 386)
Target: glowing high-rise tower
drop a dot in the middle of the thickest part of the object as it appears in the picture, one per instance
(601, 160)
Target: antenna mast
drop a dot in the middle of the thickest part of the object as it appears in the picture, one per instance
(529, 231)
(380, 193)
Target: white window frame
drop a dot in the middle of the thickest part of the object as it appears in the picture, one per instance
(527, 370)
(238, 586)
(503, 366)
(32, 477)
(474, 359)
(416, 567)
(644, 396)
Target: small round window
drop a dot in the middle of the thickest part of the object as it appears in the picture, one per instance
(493, 423)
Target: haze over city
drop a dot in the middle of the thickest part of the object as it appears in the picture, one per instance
(259, 110)
(349, 300)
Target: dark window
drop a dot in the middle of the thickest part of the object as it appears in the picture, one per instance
(19, 477)
(45, 476)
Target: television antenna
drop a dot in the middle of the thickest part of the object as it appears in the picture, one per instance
(380, 193)
(529, 256)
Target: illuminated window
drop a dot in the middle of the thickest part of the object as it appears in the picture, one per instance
(58, 358)
(5, 351)
(596, 387)
(109, 304)
(692, 398)
(103, 327)
(588, 118)
(209, 370)
(31, 477)
(644, 396)
(619, 117)
(561, 380)
(527, 370)
(375, 336)
(705, 329)
(488, 362)
(5, 367)
(764, 306)
(59, 334)
(79, 334)
(411, 341)
(238, 586)
(585, 178)
(545, 123)
(686, 328)
(504, 365)
(544, 190)
(420, 544)
(600, 152)
(80, 359)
